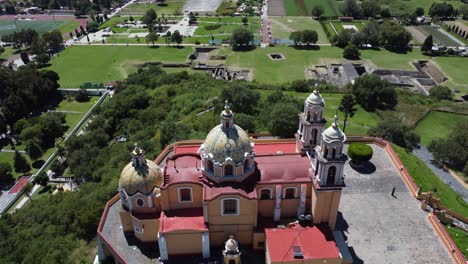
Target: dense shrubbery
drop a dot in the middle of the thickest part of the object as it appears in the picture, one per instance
(360, 152)
(374, 93)
(393, 130)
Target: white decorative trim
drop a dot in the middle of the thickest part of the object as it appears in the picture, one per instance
(237, 206)
(260, 193)
(295, 192)
(163, 255)
(179, 196)
(205, 244)
(277, 212)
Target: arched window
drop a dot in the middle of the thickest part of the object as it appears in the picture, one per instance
(315, 116)
(313, 139)
(331, 175)
(231, 261)
(265, 194)
(246, 165)
(334, 153)
(209, 166)
(289, 193)
(325, 151)
(228, 170)
(308, 116)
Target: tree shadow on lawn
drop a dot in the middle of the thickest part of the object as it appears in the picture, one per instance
(364, 167)
(306, 47)
(244, 48)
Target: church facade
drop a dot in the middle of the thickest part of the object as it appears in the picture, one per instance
(233, 190)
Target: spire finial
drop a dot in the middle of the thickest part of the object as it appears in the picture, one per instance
(335, 122)
(226, 106)
(138, 157)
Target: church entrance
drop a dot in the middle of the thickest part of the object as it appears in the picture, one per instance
(331, 175)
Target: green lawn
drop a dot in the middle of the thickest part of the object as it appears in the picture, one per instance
(455, 69)
(424, 177)
(293, 67)
(225, 28)
(9, 51)
(399, 7)
(460, 238)
(339, 26)
(169, 7)
(282, 27)
(304, 7)
(438, 125)
(96, 64)
(357, 125)
(438, 37)
(68, 26)
(10, 26)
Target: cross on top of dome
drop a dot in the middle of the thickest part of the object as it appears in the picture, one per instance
(138, 157)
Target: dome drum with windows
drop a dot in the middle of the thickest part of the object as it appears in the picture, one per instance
(227, 153)
(140, 175)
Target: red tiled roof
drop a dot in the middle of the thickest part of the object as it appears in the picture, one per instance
(186, 149)
(285, 168)
(182, 219)
(315, 243)
(274, 148)
(186, 169)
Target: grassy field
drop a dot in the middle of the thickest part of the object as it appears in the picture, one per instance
(455, 69)
(10, 26)
(437, 36)
(282, 27)
(79, 64)
(359, 124)
(438, 125)
(223, 27)
(424, 177)
(460, 238)
(170, 7)
(304, 7)
(398, 7)
(9, 51)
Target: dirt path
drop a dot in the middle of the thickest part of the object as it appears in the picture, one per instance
(417, 34)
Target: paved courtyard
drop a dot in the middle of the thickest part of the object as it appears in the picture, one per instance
(380, 228)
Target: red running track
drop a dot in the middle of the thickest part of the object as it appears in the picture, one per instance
(19, 184)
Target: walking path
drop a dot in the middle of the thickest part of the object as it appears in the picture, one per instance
(12, 151)
(25, 199)
(424, 154)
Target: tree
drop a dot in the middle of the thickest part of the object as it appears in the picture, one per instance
(24, 57)
(42, 59)
(53, 40)
(283, 120)
(54, 4)
(344, 38)
(300, 86)
(241, 37)
(192, 18)
(168, 37)
(452, 150)
(427, 45)
(394, 36)
(309, 36)
(441, 93)
(296, 36)
(245, 20)
(351, 52)
(20, 163)
(5, 173)
(41, 179)
(347, 106)
(351, 8)
(82, 95)
(386, 13)
(33, 149)
(92, 27)
(393, 130)
(372, 92)
(152, 14)
(419, 11)
(147, 20)
(177, 37)
(463, 11)
(57, 167)
(317, 11)
(360, 153)
(27, 189)
(370, 8)
(441, 10)
(242, 99)
(247, 122)
(152, 37)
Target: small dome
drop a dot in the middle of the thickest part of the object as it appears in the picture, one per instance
(315, 99)
(334, 133)
(142, 180)
(231, 245)
(227, 143)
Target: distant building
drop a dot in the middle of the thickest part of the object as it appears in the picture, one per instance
(230, 191)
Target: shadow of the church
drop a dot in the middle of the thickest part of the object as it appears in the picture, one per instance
(342, 226)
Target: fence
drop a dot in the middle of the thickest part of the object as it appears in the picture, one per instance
(52, 157)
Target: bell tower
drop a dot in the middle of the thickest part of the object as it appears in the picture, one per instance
(311, 123)
(329, 175)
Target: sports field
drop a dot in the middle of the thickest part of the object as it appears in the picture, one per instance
(96, 64)
(10, 26)
(169, 7)
(282, 27)
(438, 125)
(398, 7)
(304, 7)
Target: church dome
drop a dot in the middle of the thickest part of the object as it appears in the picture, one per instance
(231, 245)
(140, 175)
(225, 143)
(315, 99)
(334, 133)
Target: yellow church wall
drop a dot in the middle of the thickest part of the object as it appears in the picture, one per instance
(325, 206)
(257, 239)
(172, 196)
(247, 212)
(184, 243)
(219, 234)
(149, 229)
(126, 219)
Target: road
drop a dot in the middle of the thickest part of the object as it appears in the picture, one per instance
(424, 154)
